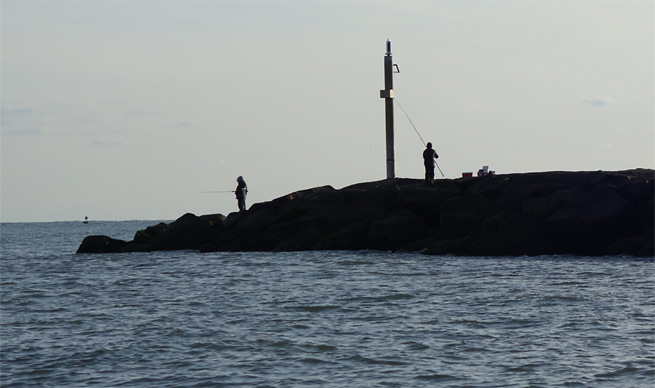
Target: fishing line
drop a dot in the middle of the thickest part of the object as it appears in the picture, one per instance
(410, 121)
(417, 132)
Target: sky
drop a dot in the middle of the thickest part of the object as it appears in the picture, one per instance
(131, 110)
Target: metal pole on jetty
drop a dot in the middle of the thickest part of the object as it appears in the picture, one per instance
(387, 94)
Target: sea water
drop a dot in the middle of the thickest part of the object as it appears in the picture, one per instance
(315, 319)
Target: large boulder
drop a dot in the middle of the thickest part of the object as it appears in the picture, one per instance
(101, 244)
(587, 221)
(461, 215)
(399, 228)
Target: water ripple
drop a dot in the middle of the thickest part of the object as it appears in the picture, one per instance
(328, 319)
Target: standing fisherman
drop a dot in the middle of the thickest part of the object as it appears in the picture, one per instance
(429, 160)
(241, 191)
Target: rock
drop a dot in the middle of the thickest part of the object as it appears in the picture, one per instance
(444, 244)
(148, 234)
(399, 228)
(101, 244)
(585, 213)
(187, 232)
(425, 201)
(301, 234)
(214, 220)
(461, 215)
(511, 241)
(587, 221)
(352, 237)
(640, 246)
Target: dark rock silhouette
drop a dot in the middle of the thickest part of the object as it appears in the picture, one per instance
(582, 213)
(101, 244)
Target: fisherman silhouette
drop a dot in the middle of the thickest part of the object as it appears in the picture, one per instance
(429, 156)
(241, 191)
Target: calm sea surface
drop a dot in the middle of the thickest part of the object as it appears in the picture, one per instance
(315, 319)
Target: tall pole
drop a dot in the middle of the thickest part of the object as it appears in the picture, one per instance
(387, 94)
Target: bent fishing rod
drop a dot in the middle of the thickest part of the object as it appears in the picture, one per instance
(419, 135)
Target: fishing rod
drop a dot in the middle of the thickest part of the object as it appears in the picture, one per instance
(410, 121)
(419, 135)
(217, 191)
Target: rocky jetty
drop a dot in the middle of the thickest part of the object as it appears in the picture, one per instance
(581, 213)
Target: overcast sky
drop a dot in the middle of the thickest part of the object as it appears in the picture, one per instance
(121, 110)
